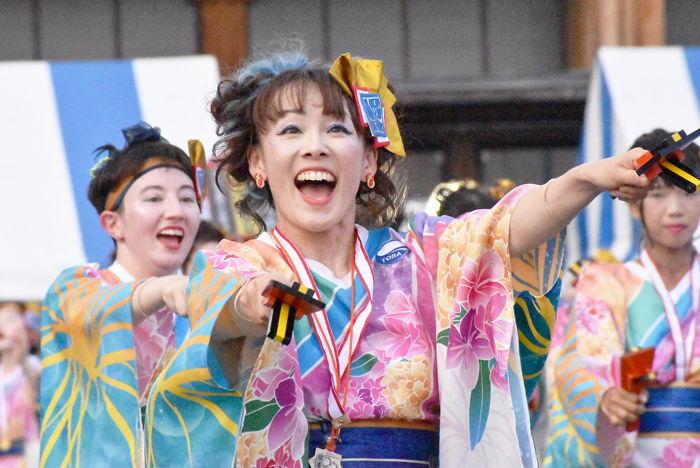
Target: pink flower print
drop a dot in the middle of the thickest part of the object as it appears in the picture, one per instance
(498, 331)
(664, 355)
(498, 378)
(281, 459)
(289, 423)
(405, 337)
(468, 344)
(681, 454)
(268, 379)
(480, 281)
(151, 338)
(496, 328)
(603, 370)
(366, 400)
(222, 260)
(589, 312)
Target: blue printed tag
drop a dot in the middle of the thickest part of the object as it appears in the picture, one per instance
(200, 180)
(371, 110)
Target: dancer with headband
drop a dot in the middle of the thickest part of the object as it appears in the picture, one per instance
(108, 333)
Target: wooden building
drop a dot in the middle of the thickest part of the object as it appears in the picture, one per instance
(487, 88)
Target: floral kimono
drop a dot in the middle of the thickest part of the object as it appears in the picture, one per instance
(438, 345)
(616, 308)
(97, 369)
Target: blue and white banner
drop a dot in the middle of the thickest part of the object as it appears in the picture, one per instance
(632, 91)
(52, 118)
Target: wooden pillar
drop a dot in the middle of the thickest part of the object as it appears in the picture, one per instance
(582, 33)
(650, 21)
(461, 160)
(224, 31)
(595, 23)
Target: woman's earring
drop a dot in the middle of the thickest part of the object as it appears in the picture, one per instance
(370, 181)
(259, 181)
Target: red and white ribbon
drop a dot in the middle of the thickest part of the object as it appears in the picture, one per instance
(683, 344)
(338, 356)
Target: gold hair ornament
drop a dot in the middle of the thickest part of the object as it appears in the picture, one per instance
(364, 81)
(199, 166)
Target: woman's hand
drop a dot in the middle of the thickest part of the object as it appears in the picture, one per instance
(247, 314)
(153, 294)
(618, 176)
(174, 293)
(622, 407)
(249, 304)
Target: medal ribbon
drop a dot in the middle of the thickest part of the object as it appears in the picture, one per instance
(338, 357)
(683, 345)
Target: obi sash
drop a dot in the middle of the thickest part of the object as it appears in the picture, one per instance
(381, 447)
(672, 411)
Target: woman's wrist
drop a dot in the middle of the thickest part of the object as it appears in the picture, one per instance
(568, 194)
(242, 305)
(146, 299)
(584, 180)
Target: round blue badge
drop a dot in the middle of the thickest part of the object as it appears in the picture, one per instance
(391, 252)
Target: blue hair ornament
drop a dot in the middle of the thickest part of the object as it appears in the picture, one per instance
(141, 133)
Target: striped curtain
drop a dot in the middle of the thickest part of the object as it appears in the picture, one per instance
(52, 117)
(633, 90)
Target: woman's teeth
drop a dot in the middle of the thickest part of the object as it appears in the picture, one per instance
(178, 234)
(315, 176)
(315, 184)
(171, 232)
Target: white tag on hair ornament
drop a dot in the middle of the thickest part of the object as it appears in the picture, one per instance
(371, 110)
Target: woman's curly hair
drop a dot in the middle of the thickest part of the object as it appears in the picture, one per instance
(250, 99)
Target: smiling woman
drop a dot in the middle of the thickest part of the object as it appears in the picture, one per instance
(426, 346)
(416, 356)
(106, 334)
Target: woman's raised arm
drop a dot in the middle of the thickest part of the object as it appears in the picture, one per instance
(544, 211)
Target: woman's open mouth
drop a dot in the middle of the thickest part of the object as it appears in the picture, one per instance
(171, 237)
(315, 185)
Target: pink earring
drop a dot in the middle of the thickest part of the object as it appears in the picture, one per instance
(370, 181)
(259, 181)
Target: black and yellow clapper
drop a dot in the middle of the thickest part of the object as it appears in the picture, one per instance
(288, 303)
(667, 157)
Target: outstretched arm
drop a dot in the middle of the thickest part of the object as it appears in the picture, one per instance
(542, 212)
